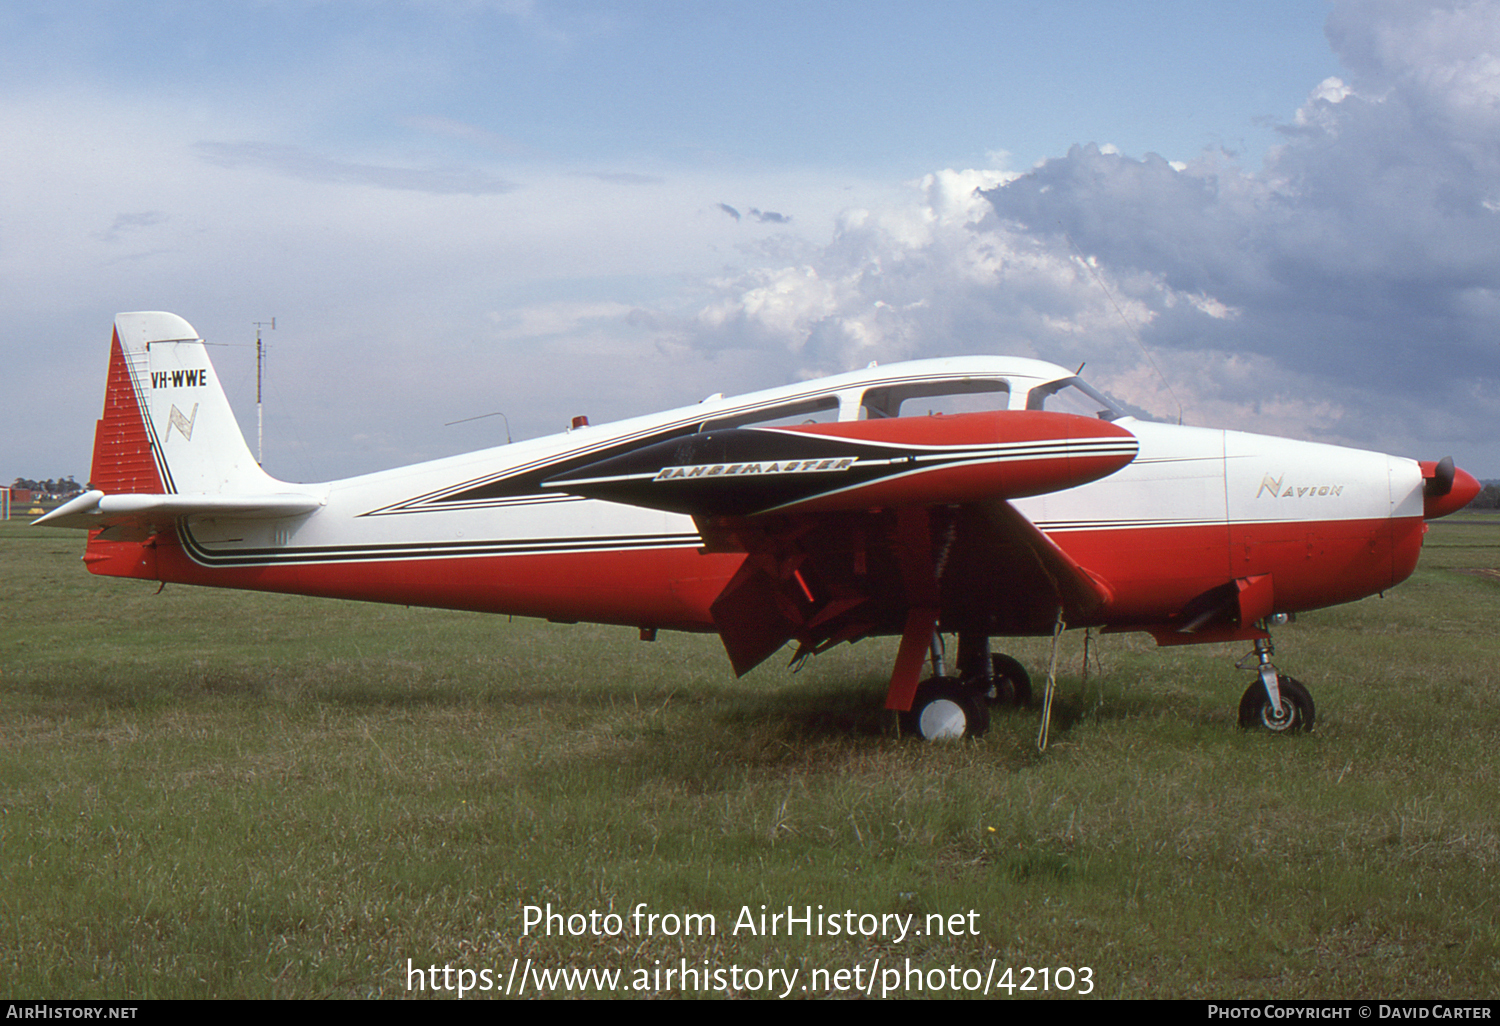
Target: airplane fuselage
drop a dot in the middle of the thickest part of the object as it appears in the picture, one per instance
(1194, 509)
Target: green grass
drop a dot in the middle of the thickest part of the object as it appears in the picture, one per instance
(228, 794)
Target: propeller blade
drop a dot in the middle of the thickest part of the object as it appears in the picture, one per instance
(1440, 482)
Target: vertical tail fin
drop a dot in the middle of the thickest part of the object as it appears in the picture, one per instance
(167, 427)
(166, 448)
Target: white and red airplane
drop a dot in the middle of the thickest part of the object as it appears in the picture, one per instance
(979, 496)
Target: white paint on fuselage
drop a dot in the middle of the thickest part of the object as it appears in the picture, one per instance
(1182, 476)
(1186, 476)
(346, 518)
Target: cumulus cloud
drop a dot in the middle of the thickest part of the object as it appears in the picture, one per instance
(894, 283)
(1347, 290)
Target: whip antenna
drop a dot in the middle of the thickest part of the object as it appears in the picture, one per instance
(1134, 334)
(260, 414)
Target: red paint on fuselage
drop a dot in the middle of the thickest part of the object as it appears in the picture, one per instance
(975, 482)
(1155, 571)
(1152, 572)
(669, 588)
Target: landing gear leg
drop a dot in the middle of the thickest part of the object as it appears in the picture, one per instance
(998, 677)
(1012, 682)
(974, 666)
(1275, 702)
(942, 707)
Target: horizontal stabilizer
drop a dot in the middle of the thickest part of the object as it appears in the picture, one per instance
(94, 509)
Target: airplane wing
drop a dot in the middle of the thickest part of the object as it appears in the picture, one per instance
(138, 516)
(876, 527)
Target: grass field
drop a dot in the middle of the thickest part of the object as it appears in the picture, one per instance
(225, 794)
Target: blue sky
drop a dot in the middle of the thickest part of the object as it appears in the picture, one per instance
(550, 208)
(859, 86)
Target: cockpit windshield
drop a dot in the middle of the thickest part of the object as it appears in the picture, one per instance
(1072, 395)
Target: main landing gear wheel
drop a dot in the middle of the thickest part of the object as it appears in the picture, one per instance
(944, 709)
(1296, 713)
(1012, 684)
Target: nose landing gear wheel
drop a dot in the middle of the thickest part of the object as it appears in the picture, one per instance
(944, 709)
(1296, 713)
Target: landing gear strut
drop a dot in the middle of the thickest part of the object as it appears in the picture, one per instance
(945, 707)
(1275, 701)
(999, 678)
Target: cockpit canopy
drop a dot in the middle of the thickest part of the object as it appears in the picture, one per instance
(922, 389)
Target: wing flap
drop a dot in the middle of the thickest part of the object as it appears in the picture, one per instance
(824, 578)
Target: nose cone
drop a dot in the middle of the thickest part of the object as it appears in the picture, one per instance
(1445, 488)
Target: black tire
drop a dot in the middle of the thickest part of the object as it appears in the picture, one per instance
(1298, 711)
(1012, 684)
(944, 709)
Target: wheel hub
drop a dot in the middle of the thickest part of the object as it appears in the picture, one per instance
(1279, 719)
(943, 720)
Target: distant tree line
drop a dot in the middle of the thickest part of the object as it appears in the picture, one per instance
(1488, 497)
(52, 487)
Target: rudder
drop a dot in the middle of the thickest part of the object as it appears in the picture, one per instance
(123, 461)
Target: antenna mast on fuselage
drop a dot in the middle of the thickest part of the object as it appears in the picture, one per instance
(260, 416)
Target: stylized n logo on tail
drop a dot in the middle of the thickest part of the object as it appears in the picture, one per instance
(184, 425)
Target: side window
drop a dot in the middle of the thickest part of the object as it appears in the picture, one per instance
(823, 409)
(936, 398)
